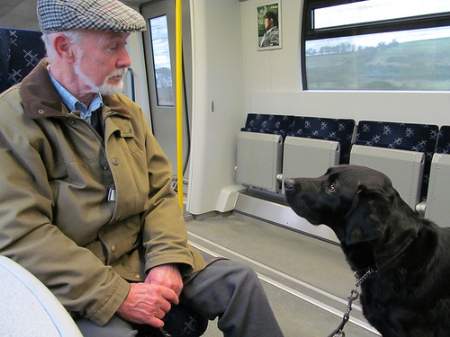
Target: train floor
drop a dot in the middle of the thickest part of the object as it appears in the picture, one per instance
(307, 280)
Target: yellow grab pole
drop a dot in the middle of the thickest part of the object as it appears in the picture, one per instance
(179, 97)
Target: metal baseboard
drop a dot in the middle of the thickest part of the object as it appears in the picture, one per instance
(282, 215)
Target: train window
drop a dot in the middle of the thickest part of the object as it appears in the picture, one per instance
(161, 60)
(376, 45)
(376, 10)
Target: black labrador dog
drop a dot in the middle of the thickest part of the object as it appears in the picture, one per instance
(408, 295)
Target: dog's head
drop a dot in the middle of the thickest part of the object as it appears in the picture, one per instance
(352, 200)
(372, 222)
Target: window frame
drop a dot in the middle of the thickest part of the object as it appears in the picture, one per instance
(382, 26)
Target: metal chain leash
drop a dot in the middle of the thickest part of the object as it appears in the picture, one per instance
(164, 333)
(354, 295)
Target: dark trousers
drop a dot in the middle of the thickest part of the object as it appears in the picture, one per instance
(225, 290)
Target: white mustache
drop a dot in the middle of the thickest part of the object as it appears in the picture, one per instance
(118, 72)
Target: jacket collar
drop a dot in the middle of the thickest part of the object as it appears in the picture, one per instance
(40, 99)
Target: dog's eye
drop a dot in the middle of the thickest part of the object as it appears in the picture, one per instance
(332, 188)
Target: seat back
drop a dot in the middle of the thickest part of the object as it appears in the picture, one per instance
(20, 52)
(28, 308)
(265, 123)
(401, 136)
(338, 130)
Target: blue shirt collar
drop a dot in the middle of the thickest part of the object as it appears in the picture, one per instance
(73, 104)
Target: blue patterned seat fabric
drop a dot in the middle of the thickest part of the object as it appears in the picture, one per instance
(261, 123)
(402, 136)
(340, 130)
(20, 51)
(443, 145)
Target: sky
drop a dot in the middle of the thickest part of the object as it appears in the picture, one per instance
(374, 10)
(161, 51)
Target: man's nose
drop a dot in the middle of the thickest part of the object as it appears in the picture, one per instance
(124, 60)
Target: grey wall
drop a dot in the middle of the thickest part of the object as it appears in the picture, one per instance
(19, 14)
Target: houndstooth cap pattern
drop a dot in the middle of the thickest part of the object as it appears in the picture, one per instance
(104, 15)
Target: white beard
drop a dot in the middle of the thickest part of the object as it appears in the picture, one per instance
(110, 89)
(105, 88)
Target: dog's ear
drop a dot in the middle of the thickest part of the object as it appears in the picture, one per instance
(400, 229)
(363, 222)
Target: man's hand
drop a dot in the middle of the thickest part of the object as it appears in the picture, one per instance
(147, 304)
(166, 275)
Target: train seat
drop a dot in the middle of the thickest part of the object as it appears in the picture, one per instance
(438, 193)
(259, 151)
(271, 147)
(403, 151)
(314, 144)
(259, 160)
(305, 157)
(20, 52)
(28, 308)
(329, 129)
(404, 168)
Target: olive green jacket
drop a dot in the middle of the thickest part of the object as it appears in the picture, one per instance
(55, 217)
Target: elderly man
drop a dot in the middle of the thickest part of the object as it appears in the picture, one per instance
(271, 37)
(85, 197)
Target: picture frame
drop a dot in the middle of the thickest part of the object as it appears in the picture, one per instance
(269, 25)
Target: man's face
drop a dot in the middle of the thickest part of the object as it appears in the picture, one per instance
(268, 23)
(102, 60)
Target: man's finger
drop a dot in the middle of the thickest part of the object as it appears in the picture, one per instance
(155, 322)
(169, 295)
(160, 314)
(165, 305)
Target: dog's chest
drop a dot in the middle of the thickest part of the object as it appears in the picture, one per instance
(393, 311)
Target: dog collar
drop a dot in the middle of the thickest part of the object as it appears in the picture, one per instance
(388, 261)
(363, 274)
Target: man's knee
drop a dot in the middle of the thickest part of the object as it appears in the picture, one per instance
(116, 327)
(242, 274)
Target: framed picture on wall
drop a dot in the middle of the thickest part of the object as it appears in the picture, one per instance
(269, 25)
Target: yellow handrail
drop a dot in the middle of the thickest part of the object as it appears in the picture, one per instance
(179, 97)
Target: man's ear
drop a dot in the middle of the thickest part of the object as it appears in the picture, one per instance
(363, 222)
(64, 48)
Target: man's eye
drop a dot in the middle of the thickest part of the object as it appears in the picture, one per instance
(112, 47)
(332, 188)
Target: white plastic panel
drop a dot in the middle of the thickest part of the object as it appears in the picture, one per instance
(259, 160)
(306, 157)
(438, 198)
(404, 168)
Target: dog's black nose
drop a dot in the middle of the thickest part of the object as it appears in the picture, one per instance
(289, 184)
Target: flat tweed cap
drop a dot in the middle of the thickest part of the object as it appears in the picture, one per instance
(105, 15)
